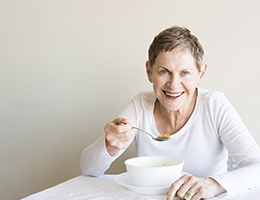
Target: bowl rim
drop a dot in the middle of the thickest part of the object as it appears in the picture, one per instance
(140, 157)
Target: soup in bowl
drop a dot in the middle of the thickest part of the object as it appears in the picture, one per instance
(153, 171)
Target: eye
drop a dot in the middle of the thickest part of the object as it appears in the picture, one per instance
(164, 71)
(185, 73)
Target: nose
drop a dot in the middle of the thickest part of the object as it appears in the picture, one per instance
(174, 81)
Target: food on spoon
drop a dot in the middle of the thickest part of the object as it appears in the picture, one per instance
(164, 136)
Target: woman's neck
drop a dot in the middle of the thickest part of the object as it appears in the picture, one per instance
(172, 121)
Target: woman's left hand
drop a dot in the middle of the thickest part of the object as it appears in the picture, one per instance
(194, 188)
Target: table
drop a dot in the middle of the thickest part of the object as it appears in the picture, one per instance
(106, 188)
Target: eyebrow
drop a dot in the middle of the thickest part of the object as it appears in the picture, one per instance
(163, 67)
(187, 69)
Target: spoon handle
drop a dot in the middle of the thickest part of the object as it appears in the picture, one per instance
(139, 130)
(143, 131)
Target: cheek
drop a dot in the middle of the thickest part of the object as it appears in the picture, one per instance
(158, 82)
(189, 84)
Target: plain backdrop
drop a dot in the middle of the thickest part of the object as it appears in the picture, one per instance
(69, 67)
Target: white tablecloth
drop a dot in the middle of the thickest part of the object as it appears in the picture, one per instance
(106, 188)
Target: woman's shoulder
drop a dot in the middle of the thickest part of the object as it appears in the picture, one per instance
(213, 99)
(211, 95)
(145, 96)
(142, 103)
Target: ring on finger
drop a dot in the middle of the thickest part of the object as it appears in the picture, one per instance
(189, 194)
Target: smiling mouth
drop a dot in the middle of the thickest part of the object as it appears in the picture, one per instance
(173, 95)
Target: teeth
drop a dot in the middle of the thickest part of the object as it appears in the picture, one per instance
(173, 95)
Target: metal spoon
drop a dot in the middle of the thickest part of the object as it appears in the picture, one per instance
(160, 139)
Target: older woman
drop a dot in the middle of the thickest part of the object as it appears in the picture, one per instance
(204, 126)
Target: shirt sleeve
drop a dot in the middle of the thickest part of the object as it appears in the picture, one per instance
(95, 159)
(130, 111)
(240, 145)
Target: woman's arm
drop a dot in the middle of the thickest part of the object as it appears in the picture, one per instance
(240, 145)
(97, 158)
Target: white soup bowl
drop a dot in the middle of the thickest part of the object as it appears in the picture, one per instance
(153, 171)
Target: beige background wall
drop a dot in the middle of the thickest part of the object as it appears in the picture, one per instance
(68, 68)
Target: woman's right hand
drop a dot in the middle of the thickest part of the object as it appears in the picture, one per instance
(118, 136)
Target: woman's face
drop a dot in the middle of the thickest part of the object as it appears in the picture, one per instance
(175, 77)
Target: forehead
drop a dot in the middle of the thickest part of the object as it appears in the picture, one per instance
(176, 57)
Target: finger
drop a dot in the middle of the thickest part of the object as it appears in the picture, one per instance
(127, 128)
(174, 188)
(121, 121)
(197, 196)
(124, 121)
(189, 195)
(124, 124)
(117, 125)
(198, 190)
(189, 181)
(194, 193)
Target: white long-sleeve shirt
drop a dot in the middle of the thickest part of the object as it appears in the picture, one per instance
(213, 132)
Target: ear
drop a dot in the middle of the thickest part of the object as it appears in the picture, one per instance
(149, 71)
(202, 73)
